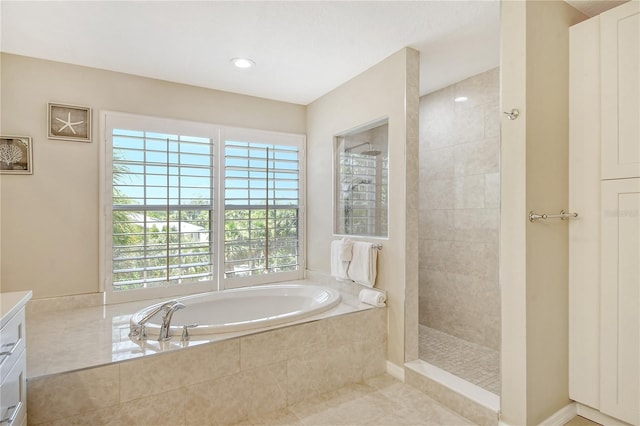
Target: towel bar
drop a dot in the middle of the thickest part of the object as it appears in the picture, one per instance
(533, 216)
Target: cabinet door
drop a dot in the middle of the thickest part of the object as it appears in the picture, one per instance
(620, 300)
(620, 86)
(584, 197)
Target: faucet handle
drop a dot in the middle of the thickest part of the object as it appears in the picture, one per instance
(138, 332)
(143, 333)
(185, 331)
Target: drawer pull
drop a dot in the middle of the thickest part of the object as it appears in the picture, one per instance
(16, 409)
(7, 354)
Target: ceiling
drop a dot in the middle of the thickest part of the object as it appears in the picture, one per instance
(594, 7)
(302, 49)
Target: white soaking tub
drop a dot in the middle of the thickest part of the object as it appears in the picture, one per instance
(242, 309)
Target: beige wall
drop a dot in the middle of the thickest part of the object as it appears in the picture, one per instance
(534, 256)
(379, 92)
(460, 210)
(49, 221)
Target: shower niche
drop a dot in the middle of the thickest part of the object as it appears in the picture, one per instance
(361, 180)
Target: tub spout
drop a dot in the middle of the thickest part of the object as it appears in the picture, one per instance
(138, 331)
(169, 309)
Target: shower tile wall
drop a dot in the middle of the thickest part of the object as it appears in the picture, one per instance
(459, 210)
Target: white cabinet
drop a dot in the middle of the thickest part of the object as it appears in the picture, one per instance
(13, 365)
(584, 198)
(604, 188)
(620, 91)
(620, 300)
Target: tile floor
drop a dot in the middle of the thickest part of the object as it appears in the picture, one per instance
(469, 361)
(382, 401)
(581, 421)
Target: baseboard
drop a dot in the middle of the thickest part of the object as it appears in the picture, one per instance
(597, 416)
(559, 418)
(562, 416)
(565, 414)
(395, 371)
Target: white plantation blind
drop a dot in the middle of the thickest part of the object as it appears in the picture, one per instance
(194, 207)
(162, 208)
(262, 208)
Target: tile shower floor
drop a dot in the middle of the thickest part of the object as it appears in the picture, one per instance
(469, 361)
(382, 401)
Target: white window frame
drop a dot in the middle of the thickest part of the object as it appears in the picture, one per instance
(275, 138)
(218, 134)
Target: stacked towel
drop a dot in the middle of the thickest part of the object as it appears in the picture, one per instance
(341, 255)
(372, 297)
(362, 268)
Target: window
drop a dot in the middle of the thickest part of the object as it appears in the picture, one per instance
(263, 215)
(162, 207)
(362, 178)
(362, 196)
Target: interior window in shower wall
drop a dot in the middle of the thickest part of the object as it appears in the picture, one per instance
(362, 176)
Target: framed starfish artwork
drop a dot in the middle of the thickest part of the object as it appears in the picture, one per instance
(69, 122)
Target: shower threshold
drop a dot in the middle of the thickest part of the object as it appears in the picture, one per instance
(471, 362)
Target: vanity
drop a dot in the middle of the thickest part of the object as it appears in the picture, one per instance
(13, 358)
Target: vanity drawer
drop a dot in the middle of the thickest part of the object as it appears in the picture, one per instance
(12, 343)
(13, 394)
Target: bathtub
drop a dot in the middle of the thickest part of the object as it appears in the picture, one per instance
(243, 309)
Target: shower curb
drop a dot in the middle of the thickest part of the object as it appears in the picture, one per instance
(481, 407)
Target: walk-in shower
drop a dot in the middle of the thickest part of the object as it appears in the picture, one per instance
(459, 291)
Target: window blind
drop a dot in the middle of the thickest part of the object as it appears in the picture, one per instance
(262, 199)
(162, 209)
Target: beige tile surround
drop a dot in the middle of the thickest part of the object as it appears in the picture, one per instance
(221, 382)
(459, 291)
(79, 333)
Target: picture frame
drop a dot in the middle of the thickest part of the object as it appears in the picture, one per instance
(16, 155)
(69, 122)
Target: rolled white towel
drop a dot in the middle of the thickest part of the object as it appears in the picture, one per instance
(372, 297)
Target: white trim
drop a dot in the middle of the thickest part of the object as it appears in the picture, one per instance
(113, 120)
(263, 137)
(231, 283)
(102, 199)
(468, 390)
(597, 416)
(573, 409)
(395, 371)
(217, 134)
(562, 416)
(334, 163)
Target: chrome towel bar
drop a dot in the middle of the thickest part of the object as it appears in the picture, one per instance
(533, 216)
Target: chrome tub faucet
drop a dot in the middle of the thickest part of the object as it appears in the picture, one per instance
(169, 310)
(138, 330)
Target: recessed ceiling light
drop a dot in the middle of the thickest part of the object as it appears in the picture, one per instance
(243, 63)
(461, 99)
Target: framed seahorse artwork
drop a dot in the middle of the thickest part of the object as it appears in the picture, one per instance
(69, 122)
(16, 156)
